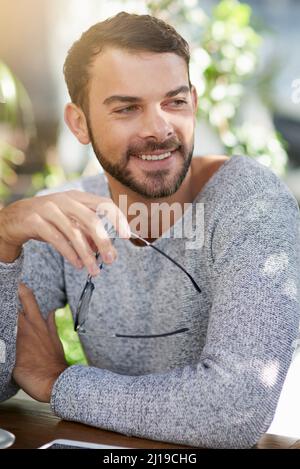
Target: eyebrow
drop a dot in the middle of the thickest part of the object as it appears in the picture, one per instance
(133, 99)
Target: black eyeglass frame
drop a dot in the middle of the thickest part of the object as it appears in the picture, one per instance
(86, 295)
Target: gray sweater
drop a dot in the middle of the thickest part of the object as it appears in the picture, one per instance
(216, 385)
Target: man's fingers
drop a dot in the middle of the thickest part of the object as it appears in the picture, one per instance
(54, 334)
(24, 328)
(100, 204)
(93, 225)
(21, 318)
(73, 232)
(52, 326)
(27, 299)
(47, 232)
(51, 323)
(73, 221)
(115, 217)
(30, 306)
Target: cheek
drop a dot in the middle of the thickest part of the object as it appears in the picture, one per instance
(118, 135)
(190, 130)
(107, 132)
(121, 133)
(114, 139)
(185, 126)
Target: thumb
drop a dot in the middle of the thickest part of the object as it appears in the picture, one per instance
(53, 329)
(30, 306)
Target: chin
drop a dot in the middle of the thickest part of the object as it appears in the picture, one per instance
(155, 189)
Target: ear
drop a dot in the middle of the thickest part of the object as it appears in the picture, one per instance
(76, 121)
(194, 99)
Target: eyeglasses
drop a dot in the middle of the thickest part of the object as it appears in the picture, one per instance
(86, 295)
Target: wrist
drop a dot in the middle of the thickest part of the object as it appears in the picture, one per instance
(50, 384)
(8, 252)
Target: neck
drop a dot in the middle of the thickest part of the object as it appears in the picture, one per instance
(154, 223)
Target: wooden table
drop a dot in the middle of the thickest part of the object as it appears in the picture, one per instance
(34, 424)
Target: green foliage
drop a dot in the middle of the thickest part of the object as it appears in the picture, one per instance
(224, 67)
(17, 124)
(52, 176)
(73, 351)
(15, 105)
(9, 158)
(233, 12)
(16, 128)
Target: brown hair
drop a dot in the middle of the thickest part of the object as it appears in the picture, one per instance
(126, 31)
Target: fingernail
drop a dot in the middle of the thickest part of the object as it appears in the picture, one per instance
(79, 264)
(109, 256)
(94, 270)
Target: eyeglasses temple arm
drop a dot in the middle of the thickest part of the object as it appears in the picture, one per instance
(89, 280)
(170, 259)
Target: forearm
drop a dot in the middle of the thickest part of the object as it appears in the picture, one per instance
(201, 405)
(8, 252)
(229, 398)
(9, 278)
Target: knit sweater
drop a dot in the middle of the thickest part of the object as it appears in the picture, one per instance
(215, 385)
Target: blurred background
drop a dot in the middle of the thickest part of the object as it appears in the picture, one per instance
(245, 65)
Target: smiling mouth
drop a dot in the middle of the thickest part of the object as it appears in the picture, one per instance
(162, 156)
(156, 155)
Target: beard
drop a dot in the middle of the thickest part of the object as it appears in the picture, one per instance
(155, 184)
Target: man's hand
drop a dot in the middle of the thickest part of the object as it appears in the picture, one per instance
(69, 221)
(40, 356)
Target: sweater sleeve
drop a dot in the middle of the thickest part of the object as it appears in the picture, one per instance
(43, 273)
(9, 278)
(228, 399)
(40, 267)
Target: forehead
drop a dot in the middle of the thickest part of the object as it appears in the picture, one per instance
(118, 71)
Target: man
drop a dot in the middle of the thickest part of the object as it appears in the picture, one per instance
(199, 366)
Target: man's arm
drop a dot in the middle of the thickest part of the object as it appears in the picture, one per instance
(40, 355)
(9, 278)
(41, 268)
(229, 398)
(63, 224)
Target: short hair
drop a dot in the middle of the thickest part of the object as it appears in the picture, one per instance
(126, 31)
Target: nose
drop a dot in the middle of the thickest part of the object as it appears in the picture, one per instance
(155, 124)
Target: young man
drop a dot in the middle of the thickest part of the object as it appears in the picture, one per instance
(167, 361)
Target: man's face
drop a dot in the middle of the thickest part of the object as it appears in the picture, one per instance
(141, 108)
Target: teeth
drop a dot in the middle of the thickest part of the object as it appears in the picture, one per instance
(156, 157)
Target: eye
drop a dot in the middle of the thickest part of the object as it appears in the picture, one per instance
(127, 109)
(179, 102)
